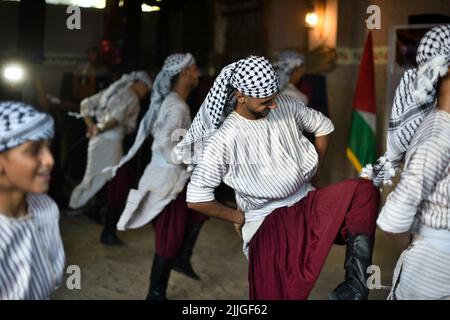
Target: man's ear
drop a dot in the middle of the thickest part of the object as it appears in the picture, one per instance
(183, 73)
(4, 181)
(2, 167)
(240, 97)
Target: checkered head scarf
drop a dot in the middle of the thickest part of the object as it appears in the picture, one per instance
(173, 65)
(20, 123)
(287, 61)
(414, 99)
(253, 76)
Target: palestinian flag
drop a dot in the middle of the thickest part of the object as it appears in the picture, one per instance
(361, 146)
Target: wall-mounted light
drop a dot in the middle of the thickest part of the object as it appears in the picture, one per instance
(312, 19)
(321, 23)
(314, 13)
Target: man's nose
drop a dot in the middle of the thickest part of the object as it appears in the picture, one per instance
(47, 158)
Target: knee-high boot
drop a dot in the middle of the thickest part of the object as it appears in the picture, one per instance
(159, 278)
(358, 257)
(182, 261)
(108, 236)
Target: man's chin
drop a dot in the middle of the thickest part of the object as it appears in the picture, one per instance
(40, 188)
(262, 114)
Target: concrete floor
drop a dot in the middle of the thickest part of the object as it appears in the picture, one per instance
(123, 272)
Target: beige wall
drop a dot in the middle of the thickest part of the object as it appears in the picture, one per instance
(285, 26)
(286, 29)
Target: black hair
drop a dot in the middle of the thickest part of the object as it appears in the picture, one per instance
(175, 79)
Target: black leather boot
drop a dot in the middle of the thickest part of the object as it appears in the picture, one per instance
(94, 211)
(358, 257)
(108, 236)
(159, 278)
(182, 261)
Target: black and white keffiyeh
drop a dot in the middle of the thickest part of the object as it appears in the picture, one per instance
(433, 60)
(287, 61)
(253, 76)
(173, 65)
(20, 123)
(414, 99)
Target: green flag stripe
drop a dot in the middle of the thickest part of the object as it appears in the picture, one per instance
(362, 140)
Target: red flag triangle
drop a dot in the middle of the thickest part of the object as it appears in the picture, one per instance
(364, 99)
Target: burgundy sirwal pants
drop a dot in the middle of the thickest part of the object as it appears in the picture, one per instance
(170, 226)
(289, 250)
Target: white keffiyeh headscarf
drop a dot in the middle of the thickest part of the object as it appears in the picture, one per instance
(125, 80)
(114, 89)
(173, 65)
(20, 123)
(414, 99)
(287, 61)
(253, 76)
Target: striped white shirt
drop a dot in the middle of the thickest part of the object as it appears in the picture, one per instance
(422, 272)
(424, 188)
(31, 252)
(264, 160)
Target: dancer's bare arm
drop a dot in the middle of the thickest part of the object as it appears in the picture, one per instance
(217, 210)
(89, 122)
(401, 240)
(91, 129)
(321, 145)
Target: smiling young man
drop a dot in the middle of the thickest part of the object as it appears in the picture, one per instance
(31, 250)
(253, 142)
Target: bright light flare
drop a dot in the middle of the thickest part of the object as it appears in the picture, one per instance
(13, 73)
(147, 8)
(312, 19)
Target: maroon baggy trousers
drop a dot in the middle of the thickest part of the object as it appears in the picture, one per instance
(289, 250)
(170, 226)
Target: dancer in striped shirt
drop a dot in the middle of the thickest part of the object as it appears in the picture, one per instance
(31, 250)
(161, 194)
(248, 136)
(416, 214)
